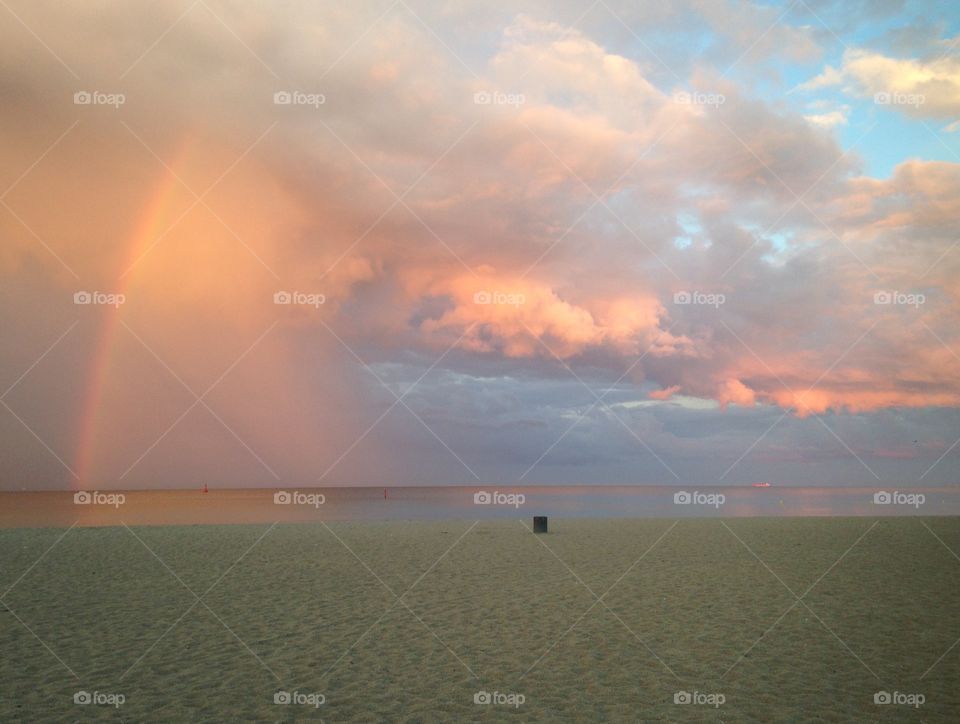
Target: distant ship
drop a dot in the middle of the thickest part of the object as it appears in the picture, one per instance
(761, 485)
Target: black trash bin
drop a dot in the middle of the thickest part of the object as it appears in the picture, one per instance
(539, 524)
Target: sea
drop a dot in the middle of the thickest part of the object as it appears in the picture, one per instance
(215, 505)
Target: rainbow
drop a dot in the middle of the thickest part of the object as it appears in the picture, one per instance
(155, 219)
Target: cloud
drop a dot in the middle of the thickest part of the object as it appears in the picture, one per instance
(829, 119)
(920, 88)
(401, 199)
(664, 394)
(520, 318)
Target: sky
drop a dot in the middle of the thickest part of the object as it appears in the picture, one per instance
(401, 242)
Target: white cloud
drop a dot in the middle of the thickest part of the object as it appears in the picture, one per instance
(928, 88)
(828, 120)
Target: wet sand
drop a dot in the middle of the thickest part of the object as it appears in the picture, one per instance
(692, 607)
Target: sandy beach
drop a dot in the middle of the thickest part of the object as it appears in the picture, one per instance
(414, 621)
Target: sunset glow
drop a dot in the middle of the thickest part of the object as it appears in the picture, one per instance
(577, 251)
